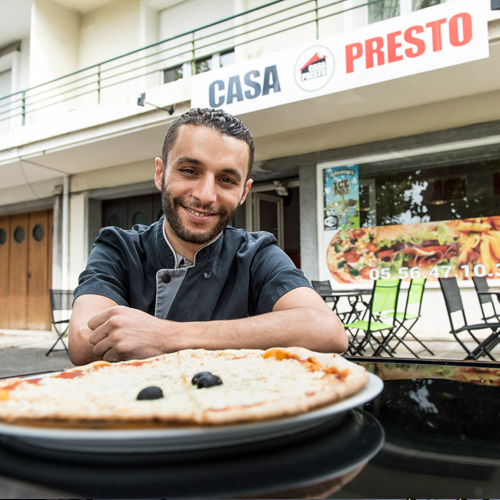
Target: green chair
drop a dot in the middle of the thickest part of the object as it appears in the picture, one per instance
(410, 316)
(383, 303)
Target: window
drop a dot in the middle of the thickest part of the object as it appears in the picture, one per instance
(422, 4)
(203, 65)
(5, 108)
(215, 61)
(227, 58)
(172, 74)
(456, 191)
(384, 9)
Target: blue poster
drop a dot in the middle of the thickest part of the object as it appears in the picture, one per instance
(341, 198)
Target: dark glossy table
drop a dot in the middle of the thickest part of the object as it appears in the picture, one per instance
(432, 433)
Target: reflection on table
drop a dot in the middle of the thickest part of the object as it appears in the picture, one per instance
(442, 438)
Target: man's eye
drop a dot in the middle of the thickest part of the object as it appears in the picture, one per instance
(188, 171)
(228, 180)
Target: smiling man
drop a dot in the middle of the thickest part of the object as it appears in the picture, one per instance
(190, 280)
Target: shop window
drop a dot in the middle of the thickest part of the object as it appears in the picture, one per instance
(428, 194)
(496, 184)
(172, 74)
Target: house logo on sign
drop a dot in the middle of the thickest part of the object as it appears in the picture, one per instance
(314, 68)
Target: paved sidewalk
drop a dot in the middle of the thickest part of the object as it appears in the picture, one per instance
(23, 352)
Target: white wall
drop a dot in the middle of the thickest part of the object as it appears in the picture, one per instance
(108, 32)
(193, 14)
(53, 41)
(77, 243)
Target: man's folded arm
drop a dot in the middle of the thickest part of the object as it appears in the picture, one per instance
(300, 318)
(85, 307)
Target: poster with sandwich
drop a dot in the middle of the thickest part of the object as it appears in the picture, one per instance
(462, 248)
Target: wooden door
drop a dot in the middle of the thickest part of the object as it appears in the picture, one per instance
(18, 272)
(38, 314)
(26, 270)
(4, 269)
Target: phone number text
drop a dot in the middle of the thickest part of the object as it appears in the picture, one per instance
(436, 272)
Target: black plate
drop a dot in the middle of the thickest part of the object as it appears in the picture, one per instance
(313, 456)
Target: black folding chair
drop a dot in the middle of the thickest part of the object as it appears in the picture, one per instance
(354, 297)
(61, 304)
(453, 301)
(485, 296)
(324, 288)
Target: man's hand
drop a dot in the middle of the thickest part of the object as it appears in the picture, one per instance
(122, 333)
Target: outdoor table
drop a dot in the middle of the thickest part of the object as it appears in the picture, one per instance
(354, 293)
(431, 433)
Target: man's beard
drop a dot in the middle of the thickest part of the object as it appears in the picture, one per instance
(171, 210)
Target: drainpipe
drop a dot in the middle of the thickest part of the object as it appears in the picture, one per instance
(65, 234)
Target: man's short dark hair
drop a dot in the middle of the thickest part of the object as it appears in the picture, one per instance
(216, 119)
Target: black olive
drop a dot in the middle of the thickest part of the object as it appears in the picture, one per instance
(195, 379)
(152, 392)
(208, 380)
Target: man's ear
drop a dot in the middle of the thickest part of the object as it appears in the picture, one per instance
(248, 185)
(159, 168)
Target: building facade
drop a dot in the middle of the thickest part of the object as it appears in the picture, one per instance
(378, 117)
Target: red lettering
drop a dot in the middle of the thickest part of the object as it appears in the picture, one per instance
(418, 42)
(374, 46)
(435, 26)
(352, 51)
(466, 29)
(392, 46)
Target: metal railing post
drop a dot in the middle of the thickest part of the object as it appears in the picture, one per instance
(193, 63)
(99, 84)
(23, 108)
(317, 19)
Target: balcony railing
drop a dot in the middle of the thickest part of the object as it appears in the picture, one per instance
(280, 22)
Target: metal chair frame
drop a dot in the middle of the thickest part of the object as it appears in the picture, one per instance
(60, 300)
(484, 295)
(415, 296)
(453, 301)
(384, 299)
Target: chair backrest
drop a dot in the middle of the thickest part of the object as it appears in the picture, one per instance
(385, 298)
(61, 304)
(452, 298)
(481, 285)
(415, 293)
(322, 286)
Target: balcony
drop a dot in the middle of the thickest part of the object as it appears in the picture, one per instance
(90, 119)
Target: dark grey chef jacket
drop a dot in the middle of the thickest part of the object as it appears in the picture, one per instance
(239, 274)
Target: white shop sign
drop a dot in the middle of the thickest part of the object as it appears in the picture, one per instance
(437, 37)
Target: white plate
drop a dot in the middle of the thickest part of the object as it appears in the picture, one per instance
(184, 438)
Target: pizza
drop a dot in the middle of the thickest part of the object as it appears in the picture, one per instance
(187, 387)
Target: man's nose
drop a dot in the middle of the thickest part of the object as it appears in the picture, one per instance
(205, 190)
